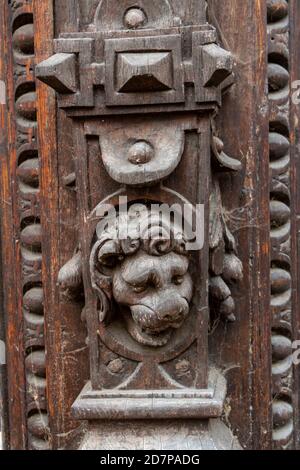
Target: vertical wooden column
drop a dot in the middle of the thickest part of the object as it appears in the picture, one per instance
(3, 165)
(15, 356)
(21, 233)
(283, 215)
(3, 367)
(4, 233)
(243, 348)
(294, 64)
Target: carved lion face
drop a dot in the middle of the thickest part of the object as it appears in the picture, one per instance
(147, 278)
(156, 291)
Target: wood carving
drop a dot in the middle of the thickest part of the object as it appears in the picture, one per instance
(145, 84)
(225, 267)
(280, 213)
(28, 409)
(123, 345)
(139, 69)
(135, 16)
(70, 278)
(142, 161)
(146, 275)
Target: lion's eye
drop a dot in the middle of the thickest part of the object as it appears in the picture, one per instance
(178, 280)
(139, 289)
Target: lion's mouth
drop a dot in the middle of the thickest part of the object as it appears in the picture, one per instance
(149, 337)
(146, 327)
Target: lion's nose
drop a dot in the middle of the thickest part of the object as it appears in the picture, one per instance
(173, 309)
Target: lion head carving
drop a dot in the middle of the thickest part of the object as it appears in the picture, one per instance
(140, 263)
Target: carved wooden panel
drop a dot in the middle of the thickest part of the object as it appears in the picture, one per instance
(145, 300)
(110, 336)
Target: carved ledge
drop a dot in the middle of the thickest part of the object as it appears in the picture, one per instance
(139, 71)
(155, 404)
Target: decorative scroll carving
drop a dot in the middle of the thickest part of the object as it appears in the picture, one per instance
(223, 161)
(280, 210)
(26, 193)
(146, 274)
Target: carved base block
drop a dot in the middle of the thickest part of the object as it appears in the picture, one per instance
(159, 435)
(182, 403)
(182, 419)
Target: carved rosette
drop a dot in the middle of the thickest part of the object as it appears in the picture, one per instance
(26, 194)
(280, 208)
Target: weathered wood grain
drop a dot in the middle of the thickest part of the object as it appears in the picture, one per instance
(243, 348)
(11, 247)
(71, 162)
(295, 193)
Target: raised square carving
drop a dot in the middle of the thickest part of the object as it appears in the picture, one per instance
(213, 66)
(139, 72)
(144, 71)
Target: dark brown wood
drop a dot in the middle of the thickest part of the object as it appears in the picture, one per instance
(4, 419)
(243, 348)
(143, 69)
(11, 252)
(109, 338)
(294, 42)
(3, 318)
(281, 224)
